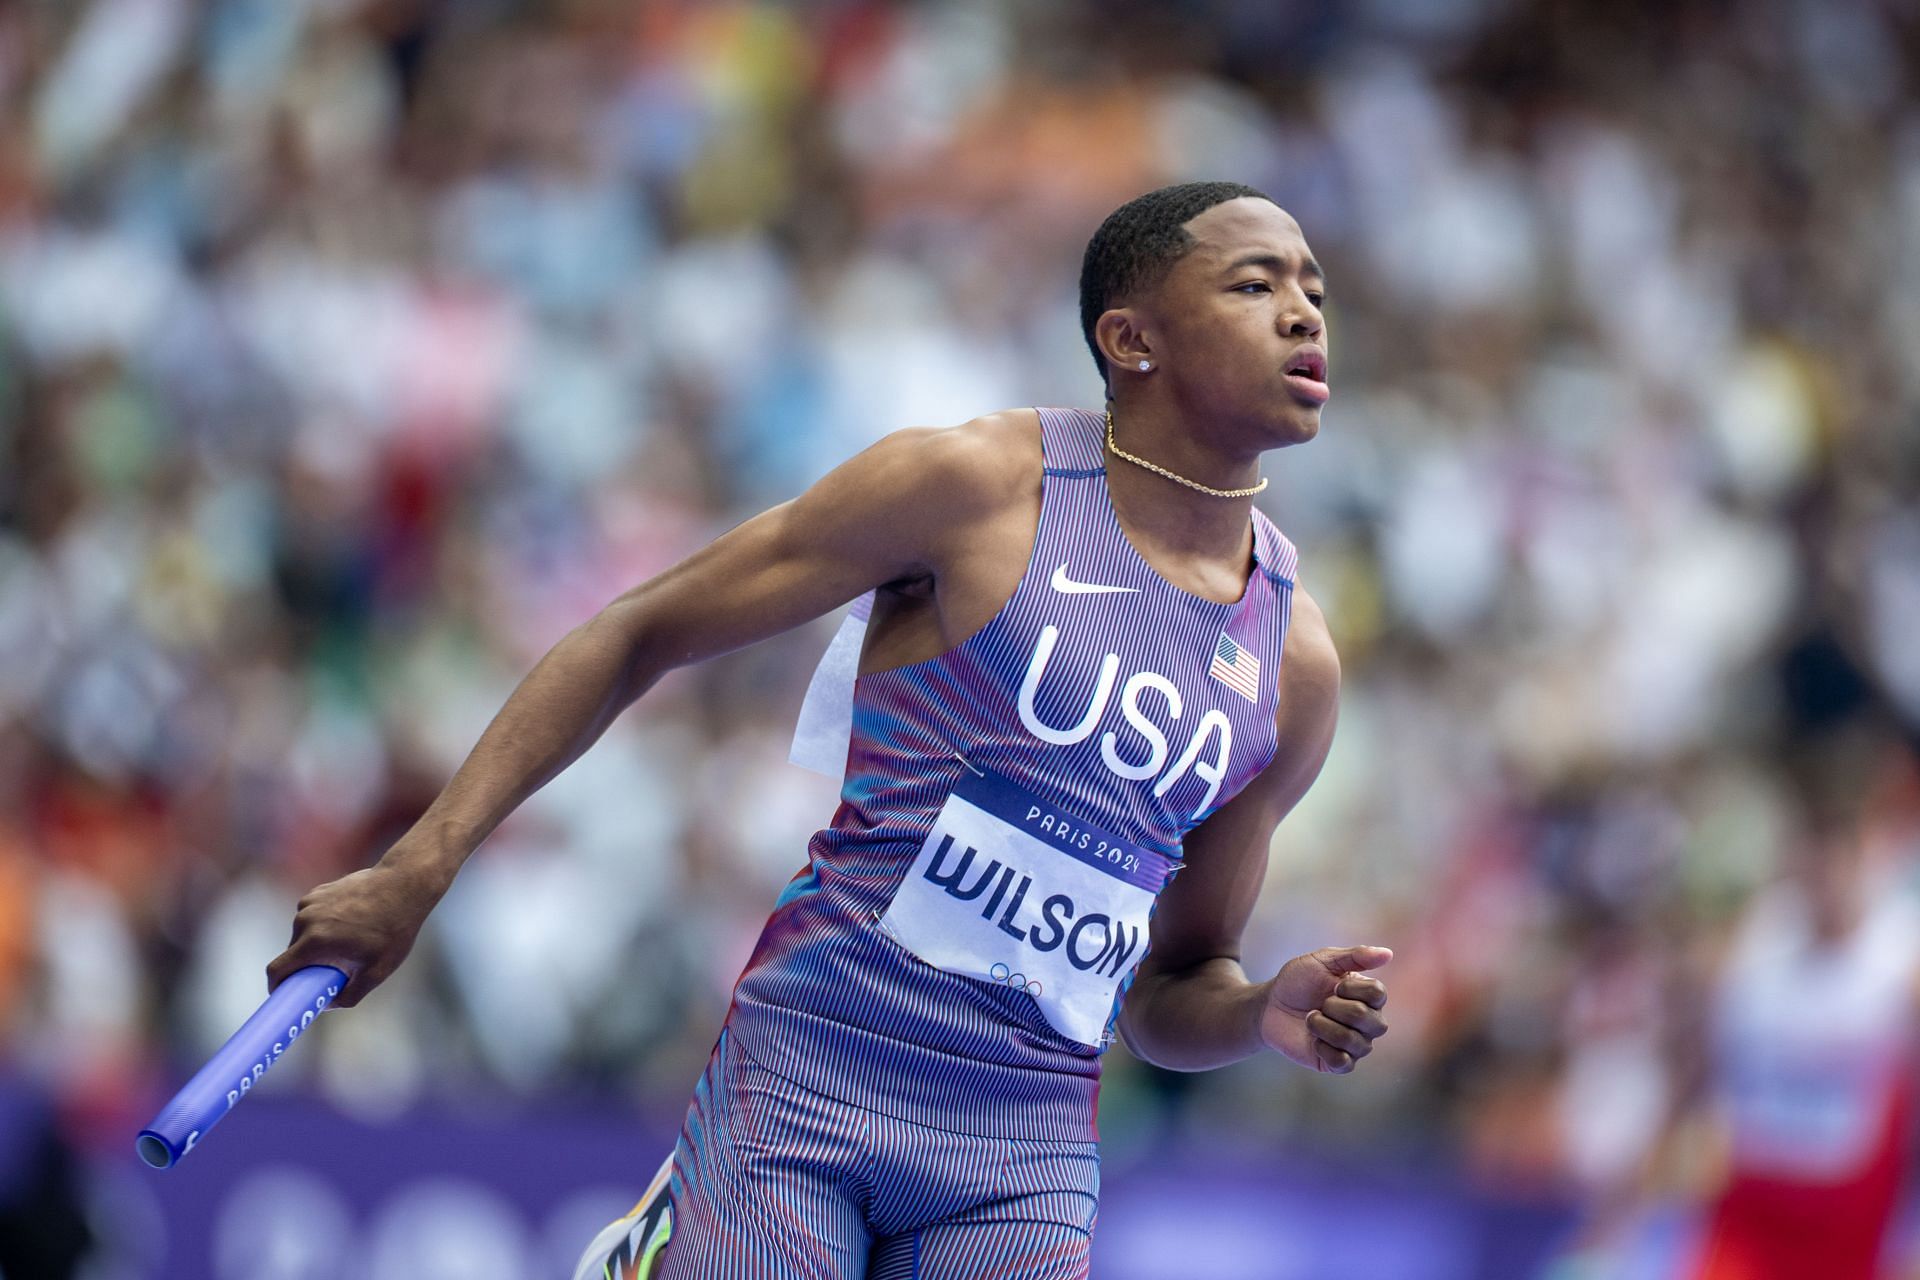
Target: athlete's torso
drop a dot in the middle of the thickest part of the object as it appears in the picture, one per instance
(1118, 702)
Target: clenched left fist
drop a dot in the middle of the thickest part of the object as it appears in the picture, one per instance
(1323, 1011)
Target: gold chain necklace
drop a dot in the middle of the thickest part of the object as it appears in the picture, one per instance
(1159, 470)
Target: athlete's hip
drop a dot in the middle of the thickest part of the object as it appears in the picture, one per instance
(832, 1003)
(904, 1173)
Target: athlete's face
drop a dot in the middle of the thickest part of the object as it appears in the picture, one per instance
(1241, 328)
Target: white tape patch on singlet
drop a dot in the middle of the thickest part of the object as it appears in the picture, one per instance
(1007, 889)
(825, 726)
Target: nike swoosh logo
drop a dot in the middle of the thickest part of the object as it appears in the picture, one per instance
(1062, 583)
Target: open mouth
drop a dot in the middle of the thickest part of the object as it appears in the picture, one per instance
(1311, 365)
(1307, 374)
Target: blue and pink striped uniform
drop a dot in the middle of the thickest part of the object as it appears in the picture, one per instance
(1100, 690)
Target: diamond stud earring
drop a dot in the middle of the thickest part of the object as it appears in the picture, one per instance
(1145, 365)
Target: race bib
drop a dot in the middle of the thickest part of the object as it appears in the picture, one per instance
(1008, 889)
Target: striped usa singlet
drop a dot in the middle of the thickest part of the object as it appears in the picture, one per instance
(1099, 688)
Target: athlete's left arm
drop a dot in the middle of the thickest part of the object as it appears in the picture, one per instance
(1191, 1006)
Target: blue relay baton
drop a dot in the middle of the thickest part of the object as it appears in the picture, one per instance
(231, 1073)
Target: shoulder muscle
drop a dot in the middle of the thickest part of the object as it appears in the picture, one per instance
(1309, 696)
(902, 508)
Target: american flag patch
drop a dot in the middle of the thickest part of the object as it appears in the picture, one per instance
(1236, 668)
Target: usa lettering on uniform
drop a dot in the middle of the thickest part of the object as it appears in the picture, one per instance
(1213, 726)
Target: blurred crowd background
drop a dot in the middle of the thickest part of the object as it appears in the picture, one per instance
(353, 351)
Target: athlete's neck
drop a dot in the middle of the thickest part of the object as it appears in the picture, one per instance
(1179, 519)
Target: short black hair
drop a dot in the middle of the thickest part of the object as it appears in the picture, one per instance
(1139, 241)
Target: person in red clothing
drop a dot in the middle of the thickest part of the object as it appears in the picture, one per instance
(1789, 1117)
(1814, 1058)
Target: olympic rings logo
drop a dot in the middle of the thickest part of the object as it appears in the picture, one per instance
(1018, 981)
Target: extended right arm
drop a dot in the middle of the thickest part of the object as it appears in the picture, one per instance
(897, 511)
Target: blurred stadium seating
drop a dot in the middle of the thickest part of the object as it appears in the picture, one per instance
(352, 352)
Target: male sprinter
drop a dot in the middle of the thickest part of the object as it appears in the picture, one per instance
(1087, 668)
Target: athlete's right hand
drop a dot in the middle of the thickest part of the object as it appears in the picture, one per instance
(363, 924)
